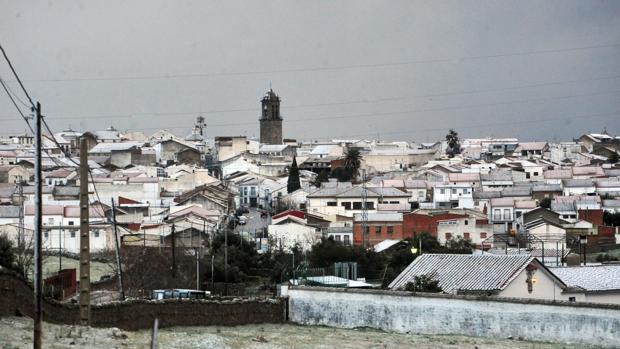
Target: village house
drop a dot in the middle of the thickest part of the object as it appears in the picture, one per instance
(578, 187)
(452, 195)
(380, 226)
(531, 149)
(290, 229)
(501, 276)
(591, 283)
(344, 199)
(474, 228)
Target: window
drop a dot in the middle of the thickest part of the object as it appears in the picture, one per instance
(466, 222)
(527, 175)
(50, 221)
(466, 236)
(448, 236)
(72, 234)
(497, 214)
(347, 240)
(357, 205)
(535, 173)
(337, 237)
(332, 203)
(46, 234)
(453, 191)
(390, 229)
(572, 299)
(483, 235)
(442, 191)
(71, 222)
(507, 214)
(96, 233)
(347, 205)
(378, 229)
(253, 191)
(370, 205)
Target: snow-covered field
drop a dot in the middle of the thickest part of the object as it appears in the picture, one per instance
(16, 332)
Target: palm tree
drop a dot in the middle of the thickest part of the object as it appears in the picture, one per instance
(353, 162)
(454, 146)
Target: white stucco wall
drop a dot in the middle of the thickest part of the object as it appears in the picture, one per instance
(288, 235)
(405, 313)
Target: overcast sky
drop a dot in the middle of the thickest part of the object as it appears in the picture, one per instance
(344, 69)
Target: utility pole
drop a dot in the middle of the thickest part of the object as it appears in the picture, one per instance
(173, 245)
(38, 222)
(84, 237)
(118, 254)
(226, 250)
(364, 211)
(197, 268)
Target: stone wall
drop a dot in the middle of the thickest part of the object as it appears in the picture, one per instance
(16, 298)
(464, 315)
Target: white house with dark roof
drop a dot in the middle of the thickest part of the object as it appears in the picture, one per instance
(503, 276)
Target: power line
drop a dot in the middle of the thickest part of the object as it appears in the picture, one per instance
(68, 156)
(6, 89)
(482, 125)
(363, 101)
(330, 68)
(400, 112)
(16, 76)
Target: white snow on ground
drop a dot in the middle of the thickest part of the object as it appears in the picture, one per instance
(16, 333)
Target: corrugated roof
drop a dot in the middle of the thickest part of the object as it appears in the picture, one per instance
(465, 272)
(385, 244)
(503, 202)
(388, 191)
(547, 187)
(272, 147)
(104, 148)
(573, 183)
(525, 204)
(531, 146)
(611, 203)
(9, 211)
(464, 177)
(558, 174)
(590, 278)
(499, 175)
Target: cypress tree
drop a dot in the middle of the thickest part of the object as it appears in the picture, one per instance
(293, 178)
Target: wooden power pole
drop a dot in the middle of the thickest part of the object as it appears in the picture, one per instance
(84, 237)
(38, 222)
(119, 274)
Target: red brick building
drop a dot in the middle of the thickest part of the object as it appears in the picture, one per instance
(381, 226)
(426, 222)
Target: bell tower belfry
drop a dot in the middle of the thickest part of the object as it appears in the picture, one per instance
(270, 120)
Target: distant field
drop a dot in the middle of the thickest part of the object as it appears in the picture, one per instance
(16, 333)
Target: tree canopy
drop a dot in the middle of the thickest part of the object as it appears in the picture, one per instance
(454, 143)
(293, 178)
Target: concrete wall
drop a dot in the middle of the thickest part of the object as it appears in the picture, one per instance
(464, 315)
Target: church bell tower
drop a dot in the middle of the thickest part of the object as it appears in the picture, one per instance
(270, 120)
